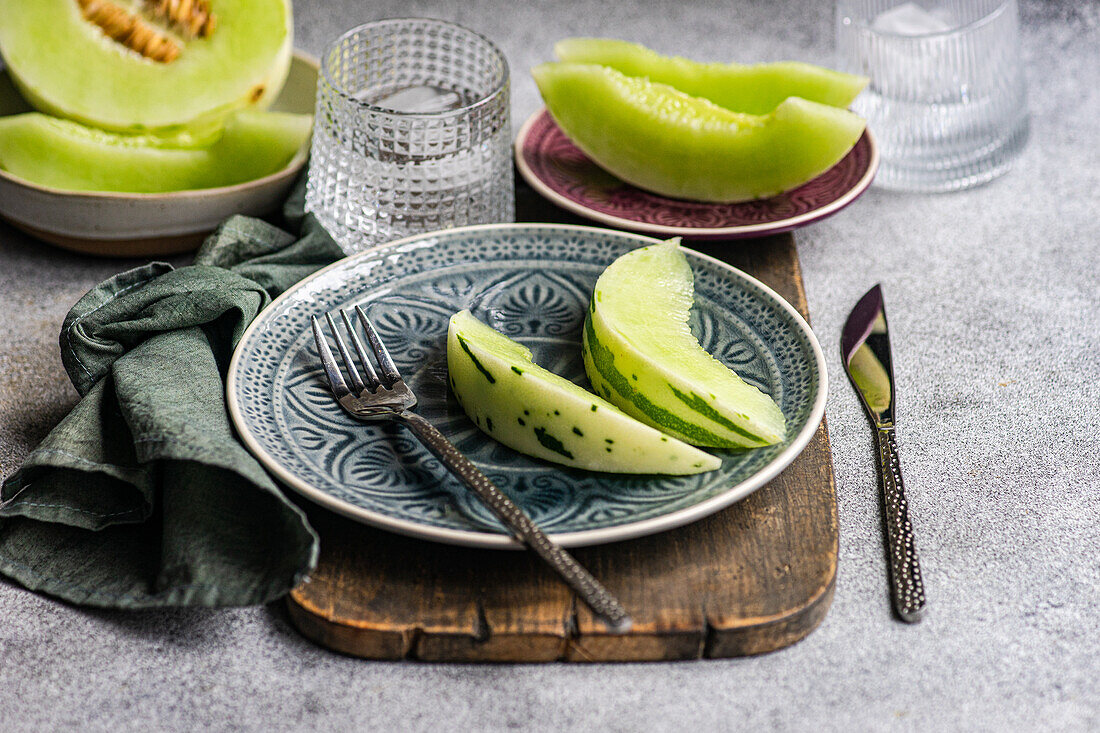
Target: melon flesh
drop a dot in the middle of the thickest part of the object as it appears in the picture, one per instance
(660, 139)
(67, 155)
(640, 353)
(753, 88)
(546, 416)
(67, 66)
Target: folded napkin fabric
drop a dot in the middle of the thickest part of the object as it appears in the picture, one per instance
(142, 496)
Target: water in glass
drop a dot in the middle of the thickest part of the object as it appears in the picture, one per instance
(947, 99)
(412, 134)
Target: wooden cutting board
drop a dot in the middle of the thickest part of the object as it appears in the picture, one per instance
(752, 578)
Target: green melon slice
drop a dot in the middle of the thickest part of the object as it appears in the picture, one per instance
(640, 353)
(665, 141)
(65, 62)
(546, 416)
(67, 155)
(753, 88)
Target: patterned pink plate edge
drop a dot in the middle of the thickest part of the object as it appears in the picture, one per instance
(560, 172)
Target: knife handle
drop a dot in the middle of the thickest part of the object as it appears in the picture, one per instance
(905, 580)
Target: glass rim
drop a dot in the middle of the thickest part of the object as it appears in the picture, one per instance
(965, 28)
(497, 90)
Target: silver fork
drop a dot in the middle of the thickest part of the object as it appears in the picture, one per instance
(388, 397)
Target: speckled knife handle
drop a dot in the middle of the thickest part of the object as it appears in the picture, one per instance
(906, 584)
(594, 595)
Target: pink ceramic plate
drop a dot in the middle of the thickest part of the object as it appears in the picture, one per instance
(563, 174)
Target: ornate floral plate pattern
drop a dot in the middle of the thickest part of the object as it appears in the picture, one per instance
(532, 282)
(559, 171)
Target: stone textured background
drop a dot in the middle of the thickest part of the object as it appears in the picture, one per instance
(995, 317)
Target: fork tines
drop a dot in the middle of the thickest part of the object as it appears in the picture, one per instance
(340, 387)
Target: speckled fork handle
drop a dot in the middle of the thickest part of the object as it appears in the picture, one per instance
(906, 585)
(594, 595)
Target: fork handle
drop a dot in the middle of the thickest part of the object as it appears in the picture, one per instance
(906, 585)
(594, 595)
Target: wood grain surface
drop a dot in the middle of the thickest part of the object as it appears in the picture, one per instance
(752, 578)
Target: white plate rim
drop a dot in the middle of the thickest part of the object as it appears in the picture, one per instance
(581, 538)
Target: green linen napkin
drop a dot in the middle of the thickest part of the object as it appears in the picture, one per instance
(142, 496)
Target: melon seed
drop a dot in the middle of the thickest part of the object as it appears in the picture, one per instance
(130, 30)
(190, 18)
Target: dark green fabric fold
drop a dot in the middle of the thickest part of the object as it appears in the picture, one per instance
(142, 496)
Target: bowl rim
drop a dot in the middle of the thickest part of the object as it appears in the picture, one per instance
(292, 166)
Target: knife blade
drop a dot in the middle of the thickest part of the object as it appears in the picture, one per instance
(865, 349)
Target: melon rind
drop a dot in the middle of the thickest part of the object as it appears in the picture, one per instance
(541, 414)
(640, 354)
(751, 88)
(662, 140)
(66, 66)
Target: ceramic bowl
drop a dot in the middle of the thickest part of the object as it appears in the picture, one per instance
(149, 224)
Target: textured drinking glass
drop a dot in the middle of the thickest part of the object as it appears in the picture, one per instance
(947, 101)
(412, 133)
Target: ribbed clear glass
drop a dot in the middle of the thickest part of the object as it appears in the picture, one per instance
(947, 101)
(412, 133)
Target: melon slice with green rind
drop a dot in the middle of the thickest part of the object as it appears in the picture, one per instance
(752, 88)
(544, 415)
(67, 155)
(640, 354)
(66, 65)
(665, 141)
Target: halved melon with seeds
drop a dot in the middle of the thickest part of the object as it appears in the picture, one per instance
(544, 415)
(139, 65)
(640, 353)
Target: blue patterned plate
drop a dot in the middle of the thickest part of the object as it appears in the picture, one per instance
(532, 282)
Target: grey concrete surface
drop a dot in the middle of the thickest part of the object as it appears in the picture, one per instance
(995, 311)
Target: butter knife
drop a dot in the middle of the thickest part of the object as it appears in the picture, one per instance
(865, 348)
